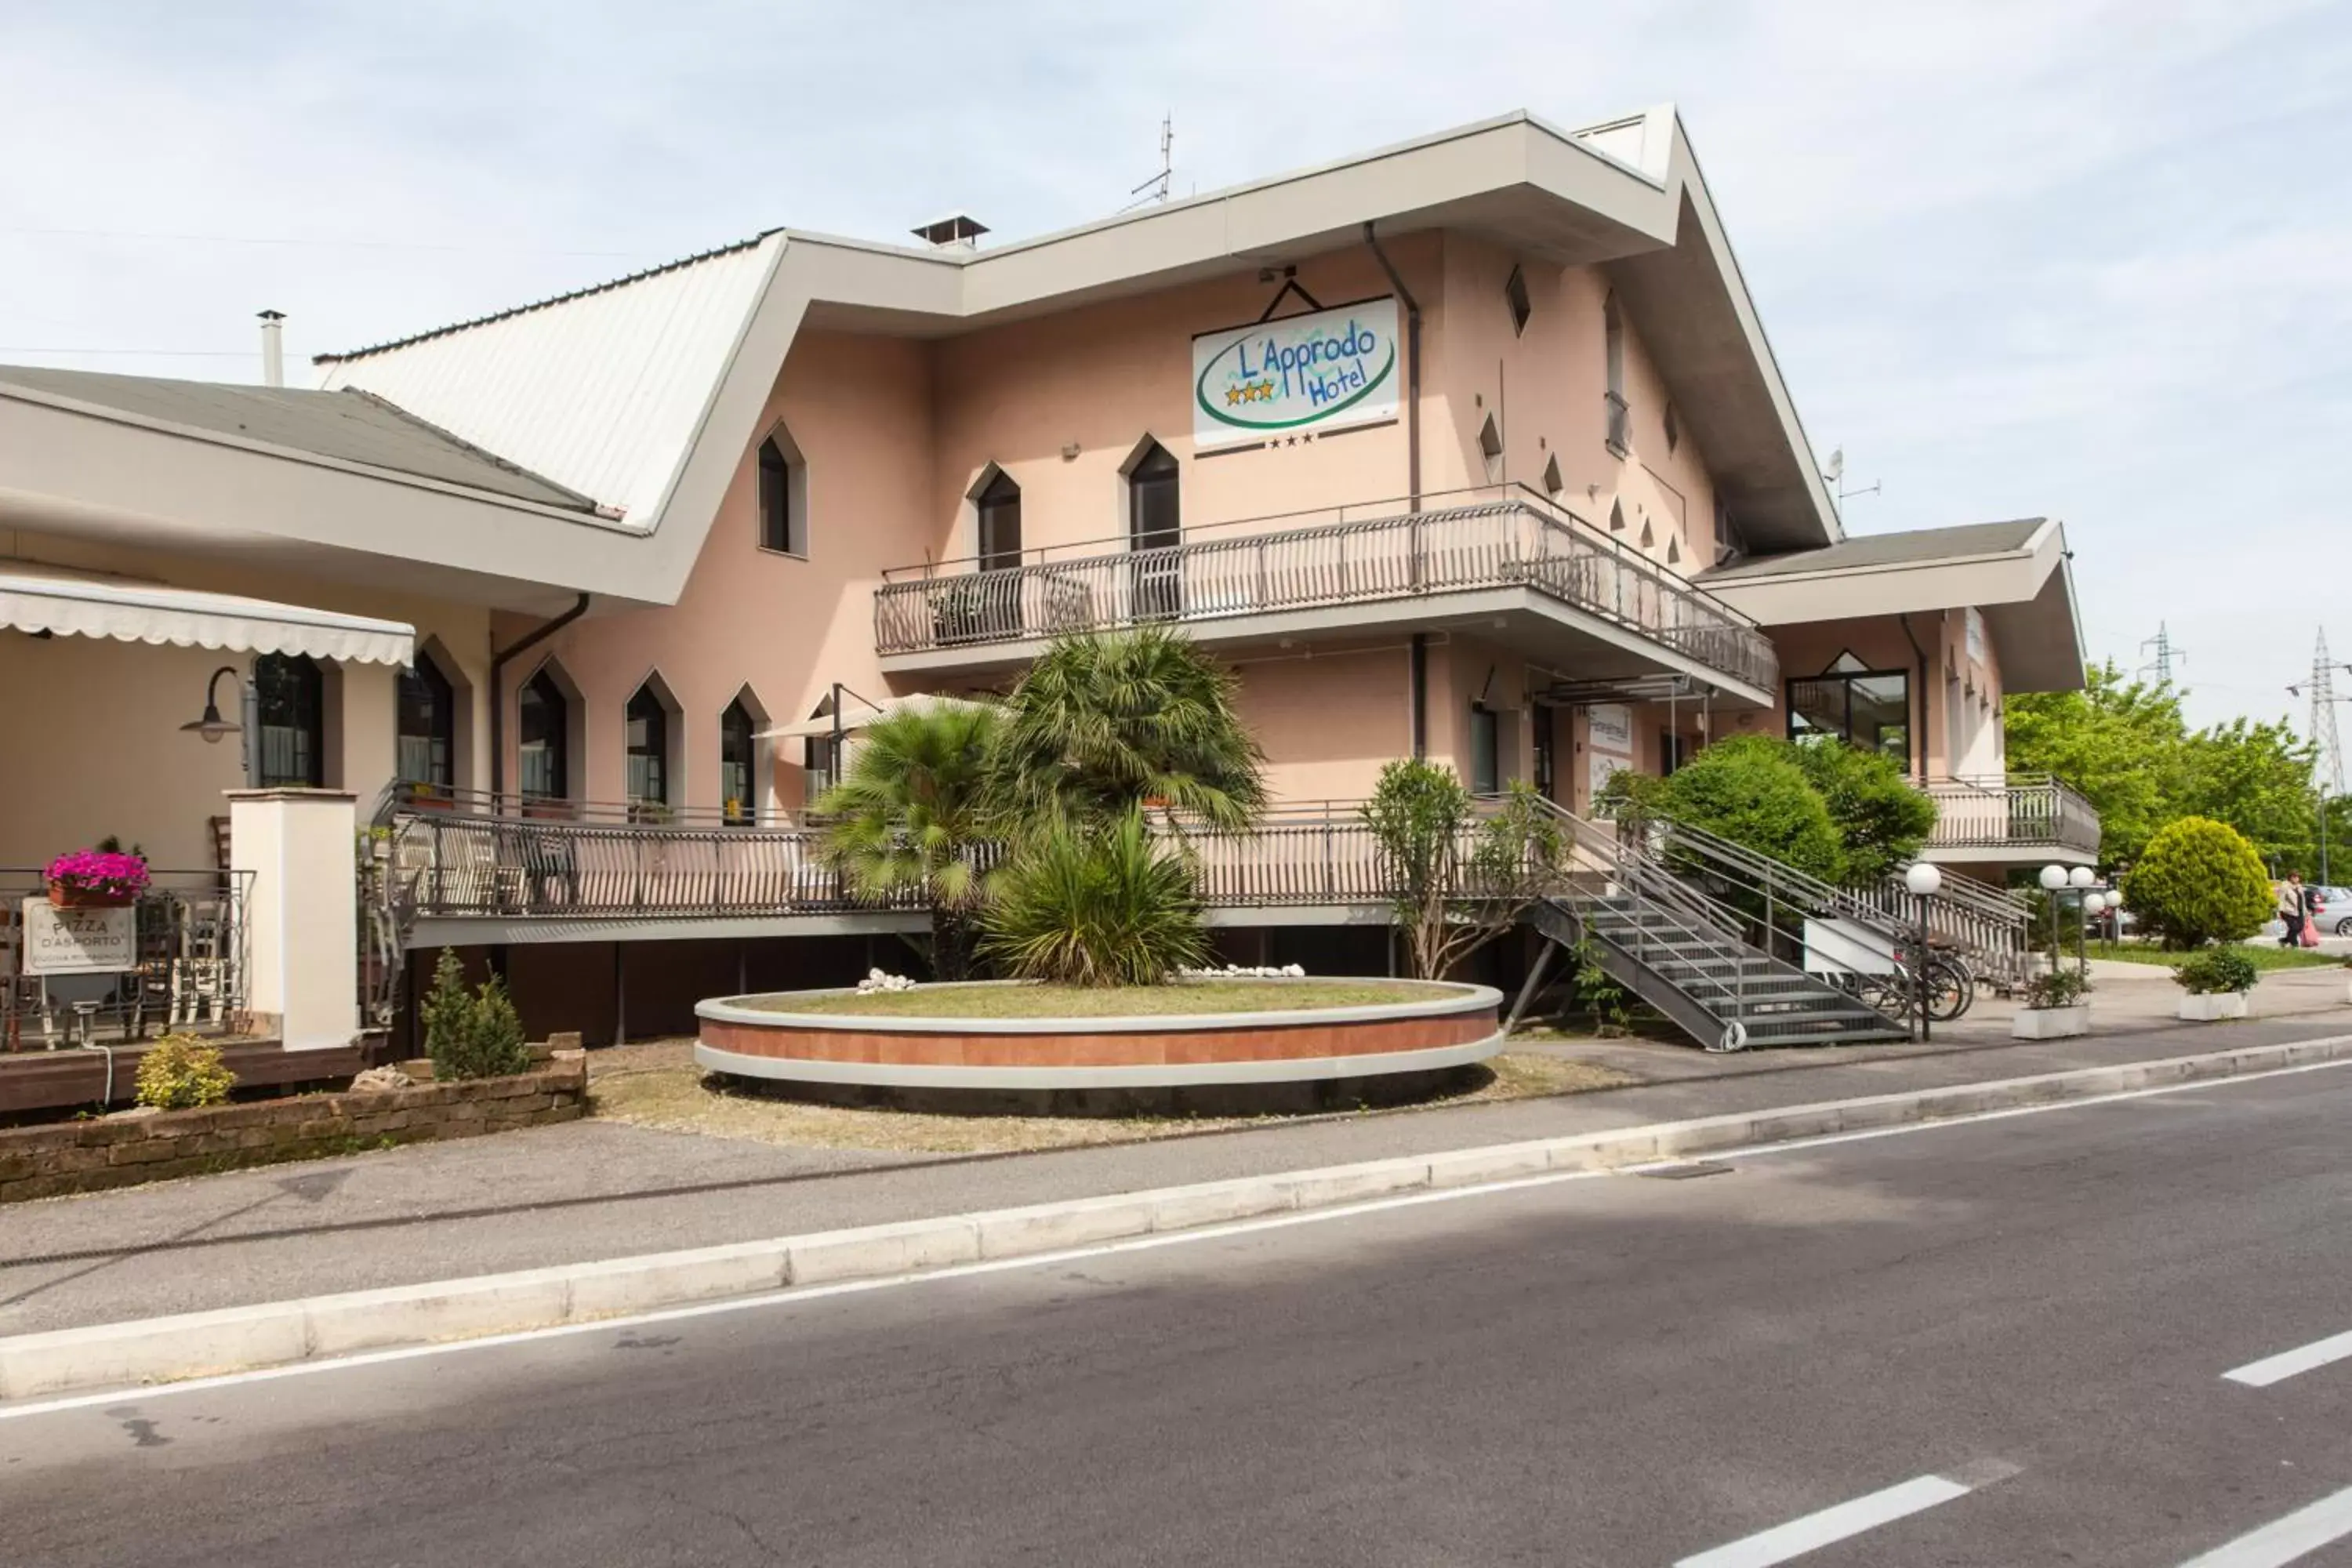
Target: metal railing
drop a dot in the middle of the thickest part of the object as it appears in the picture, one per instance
(1498, 536)
(407, 794)
(2021, 811)
(1987, 924)
(188, 965)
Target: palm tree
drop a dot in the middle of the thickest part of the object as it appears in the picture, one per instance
(1105, 722)
(910, 812)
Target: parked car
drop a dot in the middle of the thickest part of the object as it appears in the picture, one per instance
(2335, 910)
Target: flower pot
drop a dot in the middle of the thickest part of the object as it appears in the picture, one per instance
(2211, 1005)
(70, 897)
(2050, 1023)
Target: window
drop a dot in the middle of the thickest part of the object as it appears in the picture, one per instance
(1490, 448)
(1612, 332)
(289, 712)
(1515, 294)
(1670, 753)
(1616, 517)
(736, 780)
(1154, 524)
(1547, 759)
(648, 743)
(1553, 483)
(784, 497)
(543, 739)
(1673, 429)
(1485, 750)
(426, 735)
(998, 504)
(1865, 708)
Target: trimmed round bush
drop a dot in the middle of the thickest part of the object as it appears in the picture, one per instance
(2198, 881)
(180, 1073)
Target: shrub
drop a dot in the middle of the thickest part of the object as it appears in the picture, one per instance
(1881, 819)
(1096, 907)
(1458, 881)
(2058, 987)
(2216, 970)
(2198, 881)
(1751, 790)
(180, 1073)
(475, 1034)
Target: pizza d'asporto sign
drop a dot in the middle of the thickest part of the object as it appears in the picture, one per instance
(1327, 371)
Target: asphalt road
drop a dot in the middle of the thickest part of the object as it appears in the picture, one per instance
(1995, 1343)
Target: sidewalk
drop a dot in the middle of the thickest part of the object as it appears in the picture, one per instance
(592, 1190)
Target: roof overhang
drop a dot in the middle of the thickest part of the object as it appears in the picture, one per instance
(40, 598)
(2026, 596)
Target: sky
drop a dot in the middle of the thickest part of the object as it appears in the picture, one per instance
(2066, 258)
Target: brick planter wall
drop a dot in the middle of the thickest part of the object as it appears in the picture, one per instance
(117, 1152)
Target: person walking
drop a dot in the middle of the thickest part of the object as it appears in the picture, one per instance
(2291, 909)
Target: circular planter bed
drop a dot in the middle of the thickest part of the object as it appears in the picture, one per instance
(1212, 1045)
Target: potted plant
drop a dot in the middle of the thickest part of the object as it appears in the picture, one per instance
(2216, 980)
(2054, 1008)
(105, 877)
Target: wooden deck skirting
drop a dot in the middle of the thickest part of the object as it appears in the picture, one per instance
(48, 1080)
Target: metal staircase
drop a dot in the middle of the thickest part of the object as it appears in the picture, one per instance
(1692, 932)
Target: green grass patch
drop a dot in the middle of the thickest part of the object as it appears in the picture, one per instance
(1183, 996)
(2264, 955)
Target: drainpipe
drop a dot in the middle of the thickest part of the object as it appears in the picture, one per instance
(1411, 367)
(538, 634)
(1921, 737)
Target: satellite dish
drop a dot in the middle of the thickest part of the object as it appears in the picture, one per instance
(1834, 469)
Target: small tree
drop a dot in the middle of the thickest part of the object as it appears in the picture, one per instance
(180, 1073)
(1461, 880)
(2198, 881)
(1752, 790)
(1881, 819)
(475, 1034)
(1105, 906)
(446, 1013)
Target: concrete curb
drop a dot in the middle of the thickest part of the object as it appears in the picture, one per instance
(159, 1350)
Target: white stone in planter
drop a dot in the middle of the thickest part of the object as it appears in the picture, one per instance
(2050, 1023)
(2211, 1005)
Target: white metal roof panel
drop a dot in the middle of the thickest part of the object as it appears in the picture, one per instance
(602, 391)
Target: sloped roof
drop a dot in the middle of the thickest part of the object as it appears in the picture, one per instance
(603, 389)
(1914, 547)
(350, 426)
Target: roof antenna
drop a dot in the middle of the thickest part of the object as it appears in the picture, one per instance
(1835, 472)
(1155, 189)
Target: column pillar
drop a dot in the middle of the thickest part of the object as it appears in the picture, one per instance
(299, 847)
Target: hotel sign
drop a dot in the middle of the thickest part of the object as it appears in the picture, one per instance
(1329, 371)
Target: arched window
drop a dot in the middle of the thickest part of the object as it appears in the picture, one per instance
(1154, 524)
(543, 739)
(998, 505)
(784, 497)
(289, 711)
(648, 743)
(736, 771)
(426, 740)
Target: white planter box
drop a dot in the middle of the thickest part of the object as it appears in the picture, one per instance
(2050, 1023)
(2213, 1005)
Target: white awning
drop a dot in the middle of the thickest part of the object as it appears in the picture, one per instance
(856, 716)
(36, 599)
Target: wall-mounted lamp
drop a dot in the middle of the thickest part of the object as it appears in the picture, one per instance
(212, 726)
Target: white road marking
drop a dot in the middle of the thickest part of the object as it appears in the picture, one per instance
(2304, 1532)
(2288, 1363)
(1815, 1531)
(1100, 1250)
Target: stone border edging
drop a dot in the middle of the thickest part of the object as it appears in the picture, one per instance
(158, 1350)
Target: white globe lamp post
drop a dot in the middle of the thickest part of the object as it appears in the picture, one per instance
(1924, 881)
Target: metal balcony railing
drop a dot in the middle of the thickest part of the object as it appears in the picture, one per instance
(2022, 811)
(188, 965)
(1500, 536)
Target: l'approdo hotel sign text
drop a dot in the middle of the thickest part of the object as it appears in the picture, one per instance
(1329, 371)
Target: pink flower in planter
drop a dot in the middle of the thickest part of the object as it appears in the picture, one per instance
(97, 871)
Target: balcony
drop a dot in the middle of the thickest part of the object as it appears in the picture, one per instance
(1502, 559)
(2023, 817)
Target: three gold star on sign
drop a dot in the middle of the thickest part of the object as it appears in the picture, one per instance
(1250, 392)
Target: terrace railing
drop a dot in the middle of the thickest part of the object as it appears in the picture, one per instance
(2022, 811)
(189, 966)
(1501, 536)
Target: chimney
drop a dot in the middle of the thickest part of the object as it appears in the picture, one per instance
(958, 232)
(273, 349)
